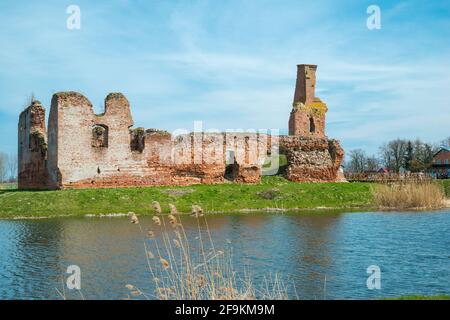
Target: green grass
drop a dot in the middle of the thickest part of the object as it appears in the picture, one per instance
(8, 186)
(273, 192)
(446, 184)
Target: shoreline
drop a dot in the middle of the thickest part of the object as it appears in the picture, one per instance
(273, 195)
(210, 213)
(300, 211)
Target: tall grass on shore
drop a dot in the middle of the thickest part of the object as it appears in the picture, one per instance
(184, 267)
(426, 195)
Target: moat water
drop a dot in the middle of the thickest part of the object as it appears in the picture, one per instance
(324, 255)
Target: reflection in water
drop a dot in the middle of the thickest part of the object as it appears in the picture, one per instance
(313, 253)
(28, 249)
(322, 255)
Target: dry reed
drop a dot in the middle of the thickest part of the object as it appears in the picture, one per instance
(427, 195)
(197, 211)
(173, 209)
(184, 268)
(157, 207)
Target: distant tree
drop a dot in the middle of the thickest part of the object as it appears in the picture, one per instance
(11, 167)
(412, 155)
(372, 163)
(393, 154)
(386, 156)
(446, 142)
(428, 154)
(423, 156)
(409, 155)
(3, 167)
(357, 162)
(419, 150)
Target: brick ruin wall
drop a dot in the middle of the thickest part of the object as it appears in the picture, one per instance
(89, 150)
(32, 148)
(312, 159)
(311, 156)
(307, 117)
(81, 149)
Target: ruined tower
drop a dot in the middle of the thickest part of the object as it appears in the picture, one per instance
(32, 151)
(81, 149)
(308, 111)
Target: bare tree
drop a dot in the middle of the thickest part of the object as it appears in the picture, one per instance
(386, 156)
(393, 154)
(357, 162)
(372, 163)
(446, 142)
(12, 166)
(422, 156)
(3, 167)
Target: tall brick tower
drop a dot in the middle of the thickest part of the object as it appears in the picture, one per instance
(32, 152)
(308, 111)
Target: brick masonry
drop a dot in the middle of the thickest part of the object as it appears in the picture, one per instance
(81, 149)
(308, 112)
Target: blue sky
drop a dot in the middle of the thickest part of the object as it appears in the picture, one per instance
(232, 64)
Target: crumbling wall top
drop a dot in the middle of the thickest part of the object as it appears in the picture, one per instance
(305, 84)
(71, 98)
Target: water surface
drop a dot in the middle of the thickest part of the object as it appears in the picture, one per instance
(322, 255)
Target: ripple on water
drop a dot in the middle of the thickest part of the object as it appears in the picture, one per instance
(324, 256)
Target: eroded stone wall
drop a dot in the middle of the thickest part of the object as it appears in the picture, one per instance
(307, 117)
(89, 150)
(32, 148)
(183, 160)
(85, 149)
(312, 159)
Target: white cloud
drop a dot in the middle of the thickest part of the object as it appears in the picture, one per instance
(232, 65)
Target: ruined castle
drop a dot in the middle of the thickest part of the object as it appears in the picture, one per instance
(81, 149)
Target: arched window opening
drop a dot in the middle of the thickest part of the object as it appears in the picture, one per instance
(100, 136)
(312, 125)
(230, 165)
(137, 142)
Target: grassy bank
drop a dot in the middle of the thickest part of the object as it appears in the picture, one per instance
(446, 184)
(8, 186)
(273, 192)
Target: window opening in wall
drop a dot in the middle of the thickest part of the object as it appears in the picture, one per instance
(230, 165)
(312, 125)
(100, 136)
